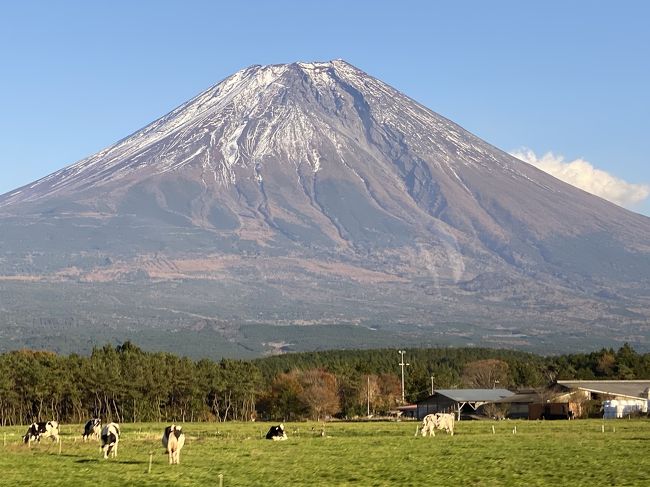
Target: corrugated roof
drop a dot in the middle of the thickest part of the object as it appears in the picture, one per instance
(408, 407)
(628, 388)
(521, 398)
(474, 395)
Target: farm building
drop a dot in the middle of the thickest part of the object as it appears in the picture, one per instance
(406, 411)
(462, 402)
(518, 406)
(531, 404)
(619, 397)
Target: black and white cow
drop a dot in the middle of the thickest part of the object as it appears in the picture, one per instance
(276, 433)
(92, 429)
(110, 438)
(42, 429)
(173, 440)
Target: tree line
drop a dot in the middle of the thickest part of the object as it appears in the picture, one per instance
(128, 384)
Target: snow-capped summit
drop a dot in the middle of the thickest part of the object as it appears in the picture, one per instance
(301, 111)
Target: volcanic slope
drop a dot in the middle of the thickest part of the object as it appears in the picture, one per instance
(314, 194)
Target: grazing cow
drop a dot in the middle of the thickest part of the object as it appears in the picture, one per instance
(276, 433)
(42, 429)
(427, 426)
(445, 422)
(92, 429)
(110, 438)
(173, 440)
(440, 421)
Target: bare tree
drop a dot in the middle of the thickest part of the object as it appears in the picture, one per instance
(486, 374)
(320, 393)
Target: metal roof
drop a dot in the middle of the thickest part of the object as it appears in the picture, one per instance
(407, 407)
(474, 395)
(627, 388)
(521, 398)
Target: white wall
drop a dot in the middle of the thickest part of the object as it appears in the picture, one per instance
(619, 408)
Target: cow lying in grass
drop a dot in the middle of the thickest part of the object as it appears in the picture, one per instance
(432, 422)
(110, 438)
(276, 433)
(42, 429)
(92, 429)
(173, 440)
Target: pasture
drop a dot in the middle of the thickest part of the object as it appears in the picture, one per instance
(557, 453)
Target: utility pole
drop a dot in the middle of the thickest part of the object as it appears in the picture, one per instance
(368, 395)
(402, 364)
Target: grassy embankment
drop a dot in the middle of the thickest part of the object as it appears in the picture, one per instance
(540, 453)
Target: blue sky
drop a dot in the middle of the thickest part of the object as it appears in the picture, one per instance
(567, 77)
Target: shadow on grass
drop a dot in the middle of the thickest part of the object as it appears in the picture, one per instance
(101, 460)
(108, 460)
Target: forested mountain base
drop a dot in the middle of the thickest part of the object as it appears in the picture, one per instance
(127, 384)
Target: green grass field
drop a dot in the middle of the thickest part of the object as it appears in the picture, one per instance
(559, 453)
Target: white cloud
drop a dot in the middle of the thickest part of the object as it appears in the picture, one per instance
(584, 175)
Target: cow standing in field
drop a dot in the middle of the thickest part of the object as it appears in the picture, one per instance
(110, 438)
(173, 440)
(427, 426)
(92, 429)
(42, 429)
(440, 421)
(445, 422)
(276, 433)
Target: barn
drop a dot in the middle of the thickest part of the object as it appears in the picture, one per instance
(619, 398)
(461, 402)
(406, 411)
(541, 404)
(520, 405)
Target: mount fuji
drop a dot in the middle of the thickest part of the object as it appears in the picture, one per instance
(309, 205)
